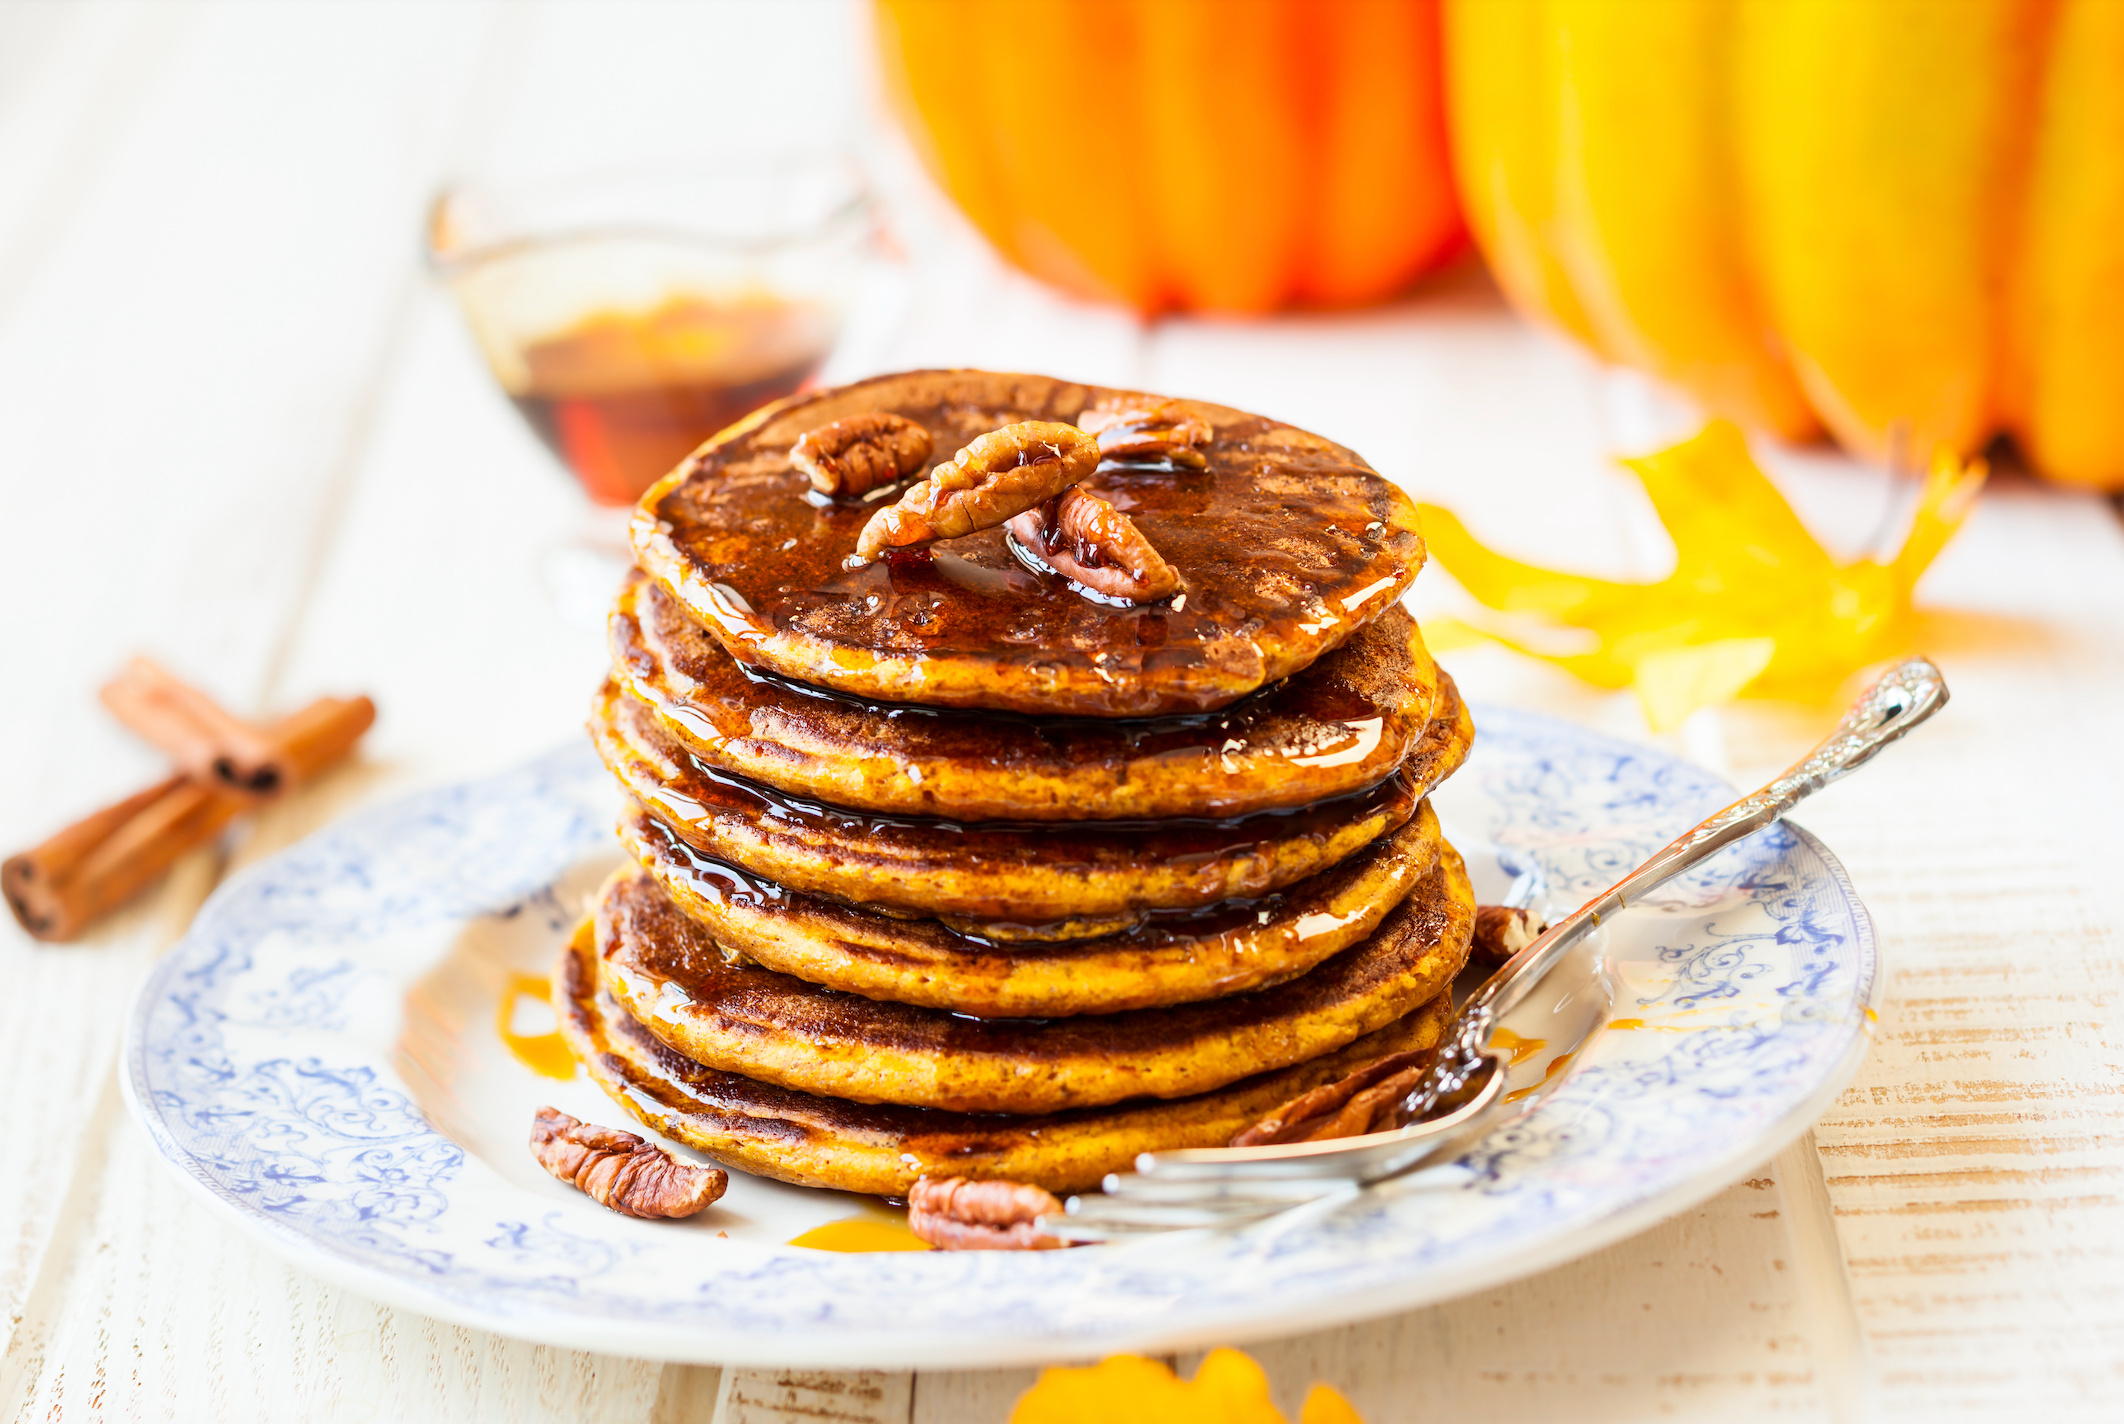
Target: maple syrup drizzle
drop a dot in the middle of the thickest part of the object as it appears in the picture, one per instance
(1520, 1048)
(862, 1235)
(702, 790)
(1556, 1065)
(719, 882)
(657, 638)
(1326, 540)
(545, 1054)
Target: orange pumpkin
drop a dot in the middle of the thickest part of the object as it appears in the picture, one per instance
(1900, 220)
(1212, 155)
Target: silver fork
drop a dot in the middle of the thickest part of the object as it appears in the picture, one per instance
(1463, 1096)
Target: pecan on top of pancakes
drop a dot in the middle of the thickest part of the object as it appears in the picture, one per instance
(854, 456)
(1135, 429)
(1084, 538)
(1288, 545)
(996, 476)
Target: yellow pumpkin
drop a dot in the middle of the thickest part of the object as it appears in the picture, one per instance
(1902, 220)
(1215, 155)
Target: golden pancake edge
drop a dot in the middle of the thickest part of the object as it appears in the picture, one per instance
(1169, 959)
(994, 871)
(1337, 726)
(671, 977)
(814, 1141)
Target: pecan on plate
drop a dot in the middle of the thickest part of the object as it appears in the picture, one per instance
(854, 456)
(1134, 430)
(996, 476)
(1351, 1106)
(630, 1174)
(1082, 537)
(1501, 932)
(961, 1214)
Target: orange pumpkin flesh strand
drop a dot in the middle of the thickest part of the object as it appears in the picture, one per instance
(1647, 223)
(1881, 152)
(2066, 397)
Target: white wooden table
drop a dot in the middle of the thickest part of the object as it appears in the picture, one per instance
(241, 430)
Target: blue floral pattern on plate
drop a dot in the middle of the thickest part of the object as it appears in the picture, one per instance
(258, 1060)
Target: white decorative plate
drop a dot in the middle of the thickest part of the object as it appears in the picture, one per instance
(321, 1060)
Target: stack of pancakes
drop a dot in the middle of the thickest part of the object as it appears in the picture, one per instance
(944, 866)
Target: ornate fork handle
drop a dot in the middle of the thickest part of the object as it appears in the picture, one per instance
(1905, 696)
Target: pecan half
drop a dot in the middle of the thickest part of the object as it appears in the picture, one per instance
(1352, 1106)
(1501, 932)
(1081, 536)
(856, 455)
(996, 476)
(960, 1214)
(1132, 430)
(630, 1174)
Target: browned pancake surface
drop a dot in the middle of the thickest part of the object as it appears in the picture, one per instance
(1340, 725)
(881, 1149)
(741, 1018)
(1105, 872)
(1286, 544)
(1173, 958)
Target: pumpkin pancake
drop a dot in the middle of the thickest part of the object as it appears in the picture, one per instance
(1025, 872)
(1177, 957)
(1338, 726)
(881, 1149)
(1286, 544)
(667, 972)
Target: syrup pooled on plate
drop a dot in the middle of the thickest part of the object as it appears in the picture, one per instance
(862, 1235)
(545, 1054)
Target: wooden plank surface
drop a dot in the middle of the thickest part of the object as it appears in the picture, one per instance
(248, 436)
(181, 384)
(1976, 1164)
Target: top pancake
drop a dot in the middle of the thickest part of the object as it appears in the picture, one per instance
(1338, 726)
(1286, 545)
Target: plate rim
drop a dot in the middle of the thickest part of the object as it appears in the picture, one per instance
(1248, 1319)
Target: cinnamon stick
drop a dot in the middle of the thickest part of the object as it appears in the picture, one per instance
(59, 888)
(209, 744)
(320, 734)
(76, 877)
